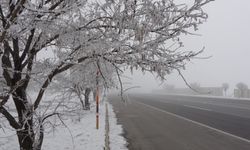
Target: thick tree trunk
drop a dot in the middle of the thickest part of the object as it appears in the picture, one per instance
(25, 116)
(86, 98)
(26, 139)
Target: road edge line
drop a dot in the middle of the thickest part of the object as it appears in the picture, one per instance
(195, 122)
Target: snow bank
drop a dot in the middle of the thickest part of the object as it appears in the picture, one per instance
(117, 141)
(76, 135)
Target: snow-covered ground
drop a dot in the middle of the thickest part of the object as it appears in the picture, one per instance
(117, 142)
(76, 135)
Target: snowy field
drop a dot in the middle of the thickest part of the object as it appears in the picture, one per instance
(77, 134)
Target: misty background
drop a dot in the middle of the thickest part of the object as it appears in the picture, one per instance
(225, 37)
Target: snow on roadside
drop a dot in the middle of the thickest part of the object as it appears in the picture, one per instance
(117, 141)
(78, 135)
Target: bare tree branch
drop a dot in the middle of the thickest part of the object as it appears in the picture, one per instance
(10, 118)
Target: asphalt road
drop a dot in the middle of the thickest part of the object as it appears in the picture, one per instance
(170, 122)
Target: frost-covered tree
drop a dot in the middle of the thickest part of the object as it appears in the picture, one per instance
(83, 78)
(225, 87)
(124, 33)
(242, 87)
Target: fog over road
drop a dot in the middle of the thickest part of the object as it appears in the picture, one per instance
(175, 122)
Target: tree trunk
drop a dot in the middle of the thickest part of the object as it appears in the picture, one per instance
(25, 115)
(78, 91)
(94, 95)
(86, 98)
(26, 139)
(26, 135)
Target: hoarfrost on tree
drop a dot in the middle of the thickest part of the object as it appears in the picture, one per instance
(121, 33)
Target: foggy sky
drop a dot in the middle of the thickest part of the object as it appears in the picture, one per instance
(225, 37)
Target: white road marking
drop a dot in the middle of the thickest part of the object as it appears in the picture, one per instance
(210, 103)
(236, 107)
(222, 105)
(195, 122)
(225, 100)
(195, 107)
